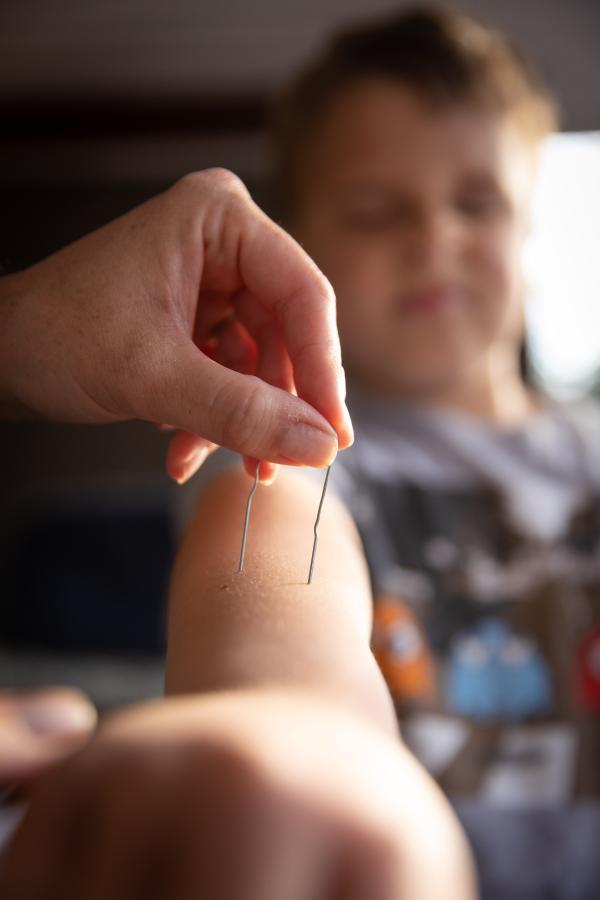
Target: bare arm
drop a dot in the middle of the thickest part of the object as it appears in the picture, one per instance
(266, 626)
(297, 689)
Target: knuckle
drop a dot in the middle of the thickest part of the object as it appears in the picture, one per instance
(325, 288)
(225, 178)
(378, 858)
(240, 780)
(206, 180)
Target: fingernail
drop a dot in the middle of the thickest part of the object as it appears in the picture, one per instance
(304, 444)
(347, 436)
(57, 717)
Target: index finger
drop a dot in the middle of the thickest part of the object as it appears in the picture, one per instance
(277, 270)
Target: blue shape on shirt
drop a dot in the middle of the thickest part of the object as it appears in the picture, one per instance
(496, 673)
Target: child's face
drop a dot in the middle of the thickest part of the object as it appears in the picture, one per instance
(417, 217)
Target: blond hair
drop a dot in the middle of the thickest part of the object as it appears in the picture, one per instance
(443, 56)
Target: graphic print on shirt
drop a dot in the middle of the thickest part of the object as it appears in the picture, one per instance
(401, 651)
(588, 670)
(493, 633)
(494, 673)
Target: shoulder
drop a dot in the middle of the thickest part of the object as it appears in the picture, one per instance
(582, 419)
(220, 491)
(584, 416)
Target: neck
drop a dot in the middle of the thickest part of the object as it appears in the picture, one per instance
(491, 389)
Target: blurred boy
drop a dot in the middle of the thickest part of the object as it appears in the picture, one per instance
(407, 153)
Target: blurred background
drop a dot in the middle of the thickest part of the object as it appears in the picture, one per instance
(101, 106)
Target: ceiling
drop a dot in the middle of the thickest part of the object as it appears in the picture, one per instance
(177, 49)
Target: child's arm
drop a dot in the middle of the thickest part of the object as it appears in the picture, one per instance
(266, 626)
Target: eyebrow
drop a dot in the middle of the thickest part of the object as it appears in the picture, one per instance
(481, 180)
(365, 189)
(360, 189)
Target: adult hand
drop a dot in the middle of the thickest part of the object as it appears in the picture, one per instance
(241, 796)
(194, 310)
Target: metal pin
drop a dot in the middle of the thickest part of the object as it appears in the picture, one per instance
(316, 527)
(247, 517)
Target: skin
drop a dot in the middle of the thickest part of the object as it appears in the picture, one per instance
(173, 314)
(280, 774)
(265, 627)
(418, 217)
(267, 630)
(37, 728)
(245, 795)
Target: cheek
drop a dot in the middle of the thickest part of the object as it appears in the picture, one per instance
(494, 267)
(360, 313)
(360, 275)
(354, 267)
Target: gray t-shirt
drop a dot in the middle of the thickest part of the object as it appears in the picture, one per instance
(484, 551)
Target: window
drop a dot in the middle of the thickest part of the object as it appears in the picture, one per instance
(562, 266)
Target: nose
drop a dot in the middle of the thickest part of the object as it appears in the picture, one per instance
(431, 240)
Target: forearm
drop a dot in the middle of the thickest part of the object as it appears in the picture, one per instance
(266, 626)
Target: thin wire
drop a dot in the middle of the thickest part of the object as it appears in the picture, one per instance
(316, 527)
(247, 518)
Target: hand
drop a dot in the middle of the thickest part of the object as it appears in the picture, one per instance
(193, 310)
(38, 728)
(247, 796)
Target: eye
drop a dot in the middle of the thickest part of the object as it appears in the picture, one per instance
(480, 205)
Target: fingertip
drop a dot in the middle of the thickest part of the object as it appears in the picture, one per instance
(268, 473)
(328, 462)
(57, 712)
(346, 432)
(182, 472)
(186, 453)
(338, 416)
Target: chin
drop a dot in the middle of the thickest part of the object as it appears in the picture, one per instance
(416, 370)
(424, 379)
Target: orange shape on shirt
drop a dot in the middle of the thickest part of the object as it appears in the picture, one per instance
(400, 650)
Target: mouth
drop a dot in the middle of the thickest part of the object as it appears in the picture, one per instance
(430, 301)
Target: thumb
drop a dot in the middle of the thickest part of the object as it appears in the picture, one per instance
(242, 412)
(37, 728)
